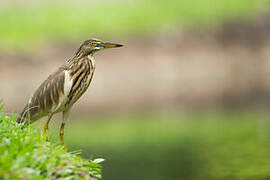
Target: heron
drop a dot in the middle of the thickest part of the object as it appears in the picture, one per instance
(64, 87)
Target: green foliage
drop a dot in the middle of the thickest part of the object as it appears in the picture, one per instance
(25, 154)
(27, 24)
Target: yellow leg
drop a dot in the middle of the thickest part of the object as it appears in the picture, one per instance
(46, 126)
(62, 135)
(65, 116)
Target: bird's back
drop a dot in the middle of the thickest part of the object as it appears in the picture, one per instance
(48, 97)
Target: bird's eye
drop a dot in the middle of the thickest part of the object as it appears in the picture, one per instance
(92, 43)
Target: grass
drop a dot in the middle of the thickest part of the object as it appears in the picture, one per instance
(25, 154)
(36, 24)
(212, 146)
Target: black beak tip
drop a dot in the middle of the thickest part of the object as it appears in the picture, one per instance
(119, 45)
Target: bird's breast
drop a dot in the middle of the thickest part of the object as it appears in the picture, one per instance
(80, 79)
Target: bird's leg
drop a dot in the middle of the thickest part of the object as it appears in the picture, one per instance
(65, 115)
(46, 126)
(62, 135)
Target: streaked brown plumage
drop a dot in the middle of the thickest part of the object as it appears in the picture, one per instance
(65, 86)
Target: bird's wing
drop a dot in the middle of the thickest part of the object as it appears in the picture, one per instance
(50, 95)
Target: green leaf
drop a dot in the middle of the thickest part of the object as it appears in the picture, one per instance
(99, 160)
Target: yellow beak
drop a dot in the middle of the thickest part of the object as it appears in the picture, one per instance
(110, 45)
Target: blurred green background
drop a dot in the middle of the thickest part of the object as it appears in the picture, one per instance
(186, 98)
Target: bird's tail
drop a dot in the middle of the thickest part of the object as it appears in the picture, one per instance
(19, 119)
(22, 118)
(25, 116)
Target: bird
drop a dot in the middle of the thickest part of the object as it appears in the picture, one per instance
(64, 87)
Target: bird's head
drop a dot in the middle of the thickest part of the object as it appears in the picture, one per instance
(91, 46)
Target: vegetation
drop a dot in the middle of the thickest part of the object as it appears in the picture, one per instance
(25, 154)
(37, 23)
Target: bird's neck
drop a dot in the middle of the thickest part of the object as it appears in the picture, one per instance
(77, 61)
(91, 59)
